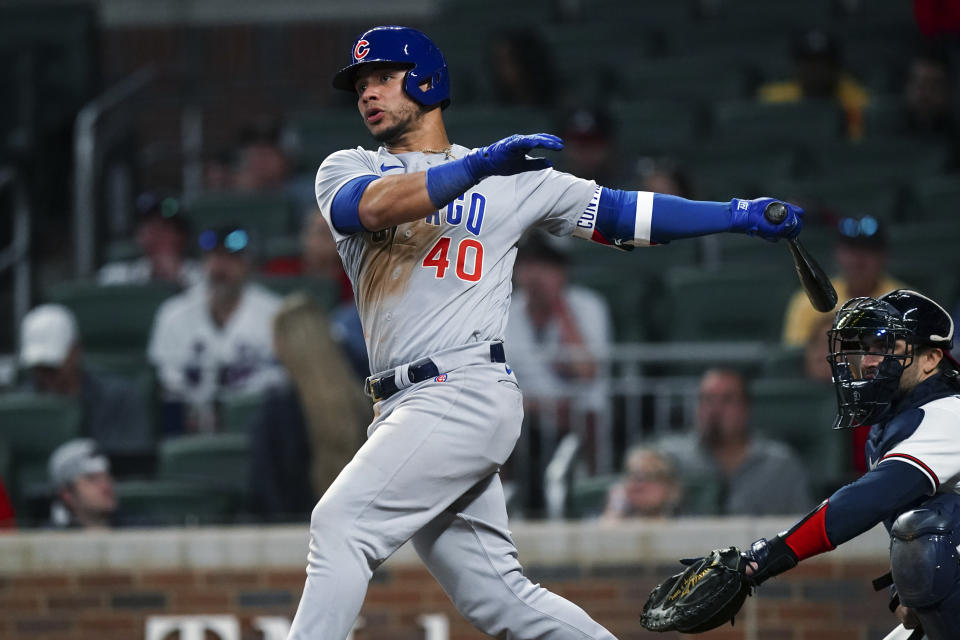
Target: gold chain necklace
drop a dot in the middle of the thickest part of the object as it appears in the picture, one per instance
(447, 153)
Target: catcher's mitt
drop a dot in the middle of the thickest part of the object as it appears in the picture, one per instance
(707, 594)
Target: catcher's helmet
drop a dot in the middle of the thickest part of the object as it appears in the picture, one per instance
(407, 47)
(870, 328)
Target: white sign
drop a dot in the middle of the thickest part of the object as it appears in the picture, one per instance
(436, 626)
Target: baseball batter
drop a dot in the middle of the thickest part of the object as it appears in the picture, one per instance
(427, 231)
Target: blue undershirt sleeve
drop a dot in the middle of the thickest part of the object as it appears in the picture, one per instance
(674, 217)
(345, 210)
(877, 495)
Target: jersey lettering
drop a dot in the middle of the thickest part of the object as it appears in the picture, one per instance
(469, 266)
(454, 213)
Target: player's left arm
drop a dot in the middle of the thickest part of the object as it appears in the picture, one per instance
(641, 218)
(855, 508)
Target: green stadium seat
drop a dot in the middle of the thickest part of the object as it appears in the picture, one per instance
(220, 461)
(729, 304)
(747, 122)
(740, 250)
(801, 414)
(784, 361)
(265, 214)
(588, 496)
(326, 292)
(655, 127)
(114, 318)
(238, 411)
(170, 502)
(897, 160)
(846, 195)
(31, 427)
(320, 133)
(721, 171)
(925, 256)
(935, 198)
(697, 78)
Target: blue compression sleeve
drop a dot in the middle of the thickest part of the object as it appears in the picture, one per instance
(345, 210)
(877, 495)
(674, 217)
(625, 216)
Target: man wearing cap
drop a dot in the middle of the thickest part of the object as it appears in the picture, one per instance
(861, 256)
(84, 494)
(216, 336)
(819, 75)
(114, 412)
(162, 235)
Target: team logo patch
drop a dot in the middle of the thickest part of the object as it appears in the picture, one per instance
(441, 378)
(361, 50)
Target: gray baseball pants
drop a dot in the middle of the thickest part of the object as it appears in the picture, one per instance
(428, 471)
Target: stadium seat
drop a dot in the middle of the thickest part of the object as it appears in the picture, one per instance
(655, 127)
(264, 214)
(170, 502)
(750, 122)
(894, 159)
(925, 256)
(846, 195)
(801, 414)
(219, 461)
(115, 318)
(320, 133)
(729, 304)
(784, 361)
(238, 411)
(588, 496)
(31, 427)
(934, 199)
(694, 78)
(477, 126)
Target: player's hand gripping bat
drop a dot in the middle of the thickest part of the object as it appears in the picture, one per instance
(815, 282)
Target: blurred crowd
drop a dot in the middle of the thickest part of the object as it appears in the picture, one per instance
(248, 383)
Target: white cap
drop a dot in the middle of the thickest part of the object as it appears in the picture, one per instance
(47, 334)
(75, 458)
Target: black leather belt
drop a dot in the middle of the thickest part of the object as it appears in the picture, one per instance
(384, 386)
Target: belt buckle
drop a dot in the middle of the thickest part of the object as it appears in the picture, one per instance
(371, 391)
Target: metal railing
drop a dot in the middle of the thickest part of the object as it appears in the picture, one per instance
(93, 137)
(16, 256)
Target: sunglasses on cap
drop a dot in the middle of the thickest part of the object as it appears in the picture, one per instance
(232, 240)
(865, 227)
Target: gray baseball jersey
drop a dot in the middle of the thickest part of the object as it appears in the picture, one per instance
(444, 281)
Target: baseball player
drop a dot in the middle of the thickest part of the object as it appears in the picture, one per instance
(892, 369)
(427, 231)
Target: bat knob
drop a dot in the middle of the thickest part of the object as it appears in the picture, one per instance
(775, 212)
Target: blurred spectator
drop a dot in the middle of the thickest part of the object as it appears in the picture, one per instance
(162, 235)
(7, 516)
(215, 336)
(84, 489)
(218, 170)
(557, 334)
(663, 176)
(263, 164)
(726, 468)
(523, 69)
(928, 106)
(819, 75)
(651, 488)
(861, 256)
(590, 147)
(114, 411)
(308, 430)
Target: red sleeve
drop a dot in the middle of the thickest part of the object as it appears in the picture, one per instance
(809, 536)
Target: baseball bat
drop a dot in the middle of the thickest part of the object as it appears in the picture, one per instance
(814, 281)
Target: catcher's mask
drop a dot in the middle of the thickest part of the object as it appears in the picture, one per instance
(870, 344)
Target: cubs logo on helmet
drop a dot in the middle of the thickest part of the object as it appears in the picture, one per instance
(361, 50)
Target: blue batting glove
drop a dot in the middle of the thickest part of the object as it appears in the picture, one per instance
(746, 216)
(509, 156)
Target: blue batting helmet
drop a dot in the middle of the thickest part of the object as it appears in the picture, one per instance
(407, 47)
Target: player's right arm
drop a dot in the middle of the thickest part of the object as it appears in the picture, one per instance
(372, 202)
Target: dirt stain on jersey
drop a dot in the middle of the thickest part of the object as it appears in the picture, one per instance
(389, 260)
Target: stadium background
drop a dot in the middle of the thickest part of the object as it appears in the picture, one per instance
(172, 80)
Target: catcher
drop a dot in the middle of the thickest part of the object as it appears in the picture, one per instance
(892, 369)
